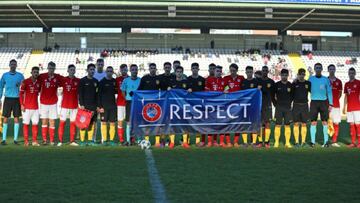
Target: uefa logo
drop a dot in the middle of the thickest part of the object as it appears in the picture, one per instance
(82, 119)
(151, 112)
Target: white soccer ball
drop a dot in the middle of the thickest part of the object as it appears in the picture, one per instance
(145, 144)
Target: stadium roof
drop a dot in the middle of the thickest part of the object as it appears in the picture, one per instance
(196, 14)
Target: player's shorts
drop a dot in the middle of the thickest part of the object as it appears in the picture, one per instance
(283, 115)
(68, 113)
(128, 111)
(300, 113)
(266, 114)
(31, 115)
(335, 115)
(48, 111)
(317, 107)
(353, 117)
(11, 105)
(121, 112)
(109, 115)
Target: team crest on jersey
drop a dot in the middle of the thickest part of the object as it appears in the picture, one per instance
(184, 85)
(268, 85)
(238, 80)
(355, 86)
(95, 84)
(307, 86)
(157, 82)
(288, 89)
(151, 112)
(199, 83)
(251, 85)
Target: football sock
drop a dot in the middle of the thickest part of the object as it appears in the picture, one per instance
(277, 135)
(128, 133)
(296, 133)
(245, 138)
(336, 133)
(210, 139)
(326, 136)
(112, 132)
(34, 132)
(72, 131)
(82, 135)
(236, 138)
(287, 135)
(52, 133)
(215, 138)
(353, 133)
(61, 130)
(222, 136)
(254, 137)
(157, 139)
(104, 132)
(185, 137)
(358, 132)
(91, 132)
(5, 127)
(44, 129)
(197, 139)
(120, 132)
(172, 138)
(303, 133)
(313, 133)
(203, 138)
(267, 135)
(26, 133)
(227, 138)
(16, 131)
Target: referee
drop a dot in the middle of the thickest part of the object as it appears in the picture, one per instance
(11, 81)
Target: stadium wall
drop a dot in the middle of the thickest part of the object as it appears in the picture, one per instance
(137, 40)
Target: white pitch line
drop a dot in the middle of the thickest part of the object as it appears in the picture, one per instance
(155, 182)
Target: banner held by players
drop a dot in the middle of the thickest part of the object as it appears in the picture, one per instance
(178, 111)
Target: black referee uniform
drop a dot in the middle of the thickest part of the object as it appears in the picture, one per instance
(300, 106)
(107, 100)
(88, 95)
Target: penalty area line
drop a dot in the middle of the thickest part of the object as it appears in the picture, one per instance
(155, 182)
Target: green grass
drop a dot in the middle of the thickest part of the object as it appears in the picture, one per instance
(113, 174)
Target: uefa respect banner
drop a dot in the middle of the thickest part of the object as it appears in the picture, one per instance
(178, 111)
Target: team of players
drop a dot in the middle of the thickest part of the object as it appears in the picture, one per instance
(100, 93)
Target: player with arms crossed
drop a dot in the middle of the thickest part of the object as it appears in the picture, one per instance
(29, 92)
(69, 104)
(121, 102)
(320, 93)
(301, 88)
(107, 106)
(88, 94)
(335, 115)
(352, 106)
(10, 81)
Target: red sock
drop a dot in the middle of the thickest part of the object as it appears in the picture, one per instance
(215, 138)
(236, 138)
(44, 130)
(26, 133)
(227, 136)
(353, 133)
(222, 136)
(210, 137)
(61, 131)
(121, 134)
(358, 132)
(203, 138)
(336, 133)
(72, 131)
(34, 133)
(52, 133)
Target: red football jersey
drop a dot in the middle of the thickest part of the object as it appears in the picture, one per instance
(336, 86)
(49, 86)
(70, 92)
(215, 84)
(120, 98)
(29, 92)
(234, 84)
(352, 90)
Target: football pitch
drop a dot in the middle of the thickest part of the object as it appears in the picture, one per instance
(120, 174)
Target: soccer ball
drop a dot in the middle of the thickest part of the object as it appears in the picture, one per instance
(145, 144)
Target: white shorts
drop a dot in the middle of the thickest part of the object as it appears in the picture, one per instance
(68, 113)
(335, 115)
(353, 117)
(121, 112)
(48, 111)
(31, 115)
